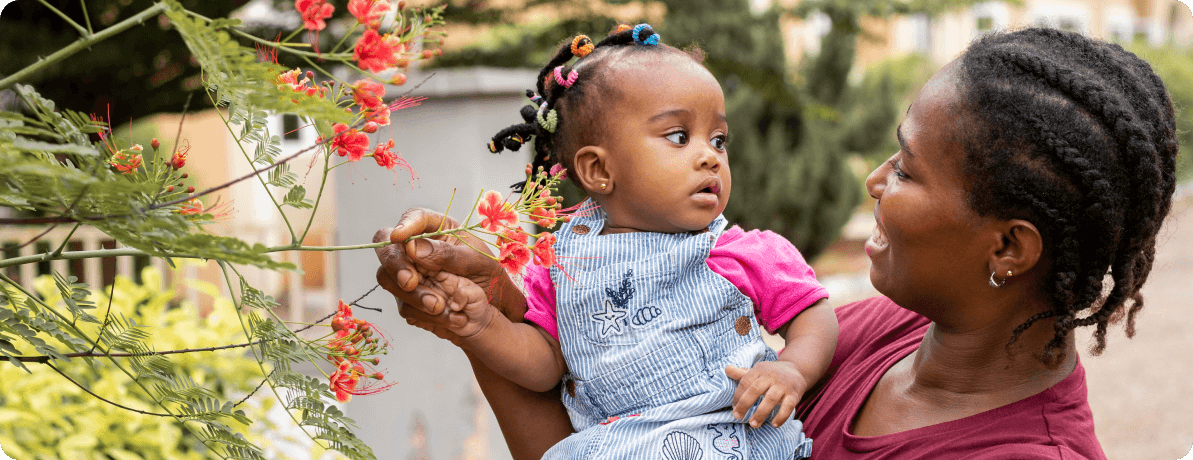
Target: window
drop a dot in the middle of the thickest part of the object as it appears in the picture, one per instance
(290, 127)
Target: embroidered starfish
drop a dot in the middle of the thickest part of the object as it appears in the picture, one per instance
(611, 318)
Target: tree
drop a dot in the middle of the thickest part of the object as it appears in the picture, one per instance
(793, 133)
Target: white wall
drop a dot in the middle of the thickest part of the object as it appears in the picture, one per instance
(434, 411)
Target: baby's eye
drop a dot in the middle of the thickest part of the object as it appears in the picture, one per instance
(719, 142)
(678, 137)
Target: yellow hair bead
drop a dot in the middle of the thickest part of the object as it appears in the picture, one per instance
(582, 45)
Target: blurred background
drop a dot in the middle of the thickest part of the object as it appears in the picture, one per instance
(814, 90)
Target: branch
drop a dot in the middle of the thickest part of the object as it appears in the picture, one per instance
(101, 398)
(81, 44)
(66, 18)
(46, 359)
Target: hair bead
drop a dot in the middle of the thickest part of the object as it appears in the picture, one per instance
(571, 78)
(582, 45)
(652, 38)
(548, 119)
(619, 29)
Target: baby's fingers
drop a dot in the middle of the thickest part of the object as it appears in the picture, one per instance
(774, 396)
(785, 410)
(748, 391)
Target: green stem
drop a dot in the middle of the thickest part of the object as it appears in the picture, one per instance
(65, 241)
(81, 44)
(264, 185)
(86, 17)
(344, 38)
(66, 18)
(293, 34)
(324, 72)
(318, 196)
(120, 252)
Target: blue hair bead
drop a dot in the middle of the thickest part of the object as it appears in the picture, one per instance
(653, 39)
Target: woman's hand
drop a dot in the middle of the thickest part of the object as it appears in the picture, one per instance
(408, 266)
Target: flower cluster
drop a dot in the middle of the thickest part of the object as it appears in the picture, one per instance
(502, 217)
(127, 161)
(349, 346)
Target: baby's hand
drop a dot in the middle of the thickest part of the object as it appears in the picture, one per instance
(468, 310)
(777, 382)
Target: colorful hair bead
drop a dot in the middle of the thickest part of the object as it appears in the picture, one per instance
(619, 29)
(582, 45)
(548, 119)
(651, 39)
(492, 147)
(534, 97)
(569, 81)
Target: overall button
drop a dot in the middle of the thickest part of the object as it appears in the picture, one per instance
(571, 387)
(581, 229)
(742, 325)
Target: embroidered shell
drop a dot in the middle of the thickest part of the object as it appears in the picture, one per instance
(681, 446)
(645, 314)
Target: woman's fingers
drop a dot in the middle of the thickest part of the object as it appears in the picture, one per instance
(416, 221)
(398, 267)
(421, 296)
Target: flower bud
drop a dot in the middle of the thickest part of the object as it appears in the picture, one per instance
(170, 188)
(190, 190)
(399, 78)
(370, 127)
(428, 54)
(155, 144)
(377, 376)
(401, 5)
(376, 361)
(185, 175)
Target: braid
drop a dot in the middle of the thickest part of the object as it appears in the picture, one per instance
(565, 110)
(1078, 137)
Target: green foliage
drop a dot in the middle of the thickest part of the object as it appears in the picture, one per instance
(43, 415)
(1175, 66)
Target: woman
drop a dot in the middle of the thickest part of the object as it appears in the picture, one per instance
(1033, 176)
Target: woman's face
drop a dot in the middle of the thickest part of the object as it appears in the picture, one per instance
(929, 249)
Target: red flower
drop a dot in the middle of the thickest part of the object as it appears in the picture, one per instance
(126, 163)
(368, 12)
(514, 256)
(497, 213)
(351, 143)
(544, 217)
(375, 52)
(544, 252)
(191, 208)
(289, 79)
(511, 236)
(179, 158)
(345, 379)
(384, 157)
(368, 94)
(313, 13)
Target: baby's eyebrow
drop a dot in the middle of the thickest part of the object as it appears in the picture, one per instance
(669, 113)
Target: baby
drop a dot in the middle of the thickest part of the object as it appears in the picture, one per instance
(652, 328)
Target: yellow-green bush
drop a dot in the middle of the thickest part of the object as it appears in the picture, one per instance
(44, 416)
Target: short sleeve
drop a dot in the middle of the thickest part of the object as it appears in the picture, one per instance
(770, 271)
(540, 299)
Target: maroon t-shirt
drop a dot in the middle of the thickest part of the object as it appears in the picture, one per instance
(875, 334)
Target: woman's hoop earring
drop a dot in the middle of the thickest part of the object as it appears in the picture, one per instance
(995, 284)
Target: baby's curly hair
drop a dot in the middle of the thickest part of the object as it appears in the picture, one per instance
(1078, 137)
(569, 101)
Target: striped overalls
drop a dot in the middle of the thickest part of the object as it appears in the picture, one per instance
(647, 330)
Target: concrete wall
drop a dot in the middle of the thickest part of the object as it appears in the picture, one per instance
(435, 411)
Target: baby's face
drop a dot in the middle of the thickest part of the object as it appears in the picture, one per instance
(666, 136)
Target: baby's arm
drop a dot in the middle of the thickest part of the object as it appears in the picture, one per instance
(520, 352)
(811, 340)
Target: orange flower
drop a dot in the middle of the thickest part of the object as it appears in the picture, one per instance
(511, 236)
(544, 217)
(498, 214)
(368, 12)
(375, 52)
(368, 94)
(313, 13)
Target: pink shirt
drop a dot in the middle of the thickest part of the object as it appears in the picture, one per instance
(763, 265)
(875, 334)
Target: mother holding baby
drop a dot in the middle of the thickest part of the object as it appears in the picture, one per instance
(1033, 175)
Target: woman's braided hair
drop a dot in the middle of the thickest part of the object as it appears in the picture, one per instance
(569, 99)
(1078, 137)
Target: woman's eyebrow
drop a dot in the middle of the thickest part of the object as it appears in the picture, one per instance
(902, 143)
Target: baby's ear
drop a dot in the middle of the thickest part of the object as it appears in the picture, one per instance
(591, 170)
